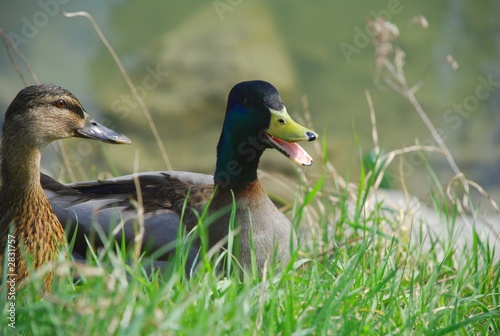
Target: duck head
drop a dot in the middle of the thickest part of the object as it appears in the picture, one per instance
(257, 119)
(44, 113)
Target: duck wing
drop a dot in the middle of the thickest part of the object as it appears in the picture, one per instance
(108, 208)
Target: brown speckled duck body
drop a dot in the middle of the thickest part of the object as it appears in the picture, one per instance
(255, 120)
(29, 229)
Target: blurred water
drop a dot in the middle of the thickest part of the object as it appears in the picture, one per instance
(310, 37)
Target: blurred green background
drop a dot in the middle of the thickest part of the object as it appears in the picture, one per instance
(185, 57)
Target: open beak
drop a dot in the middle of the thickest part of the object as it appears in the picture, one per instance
(284, 133)
(94, 130)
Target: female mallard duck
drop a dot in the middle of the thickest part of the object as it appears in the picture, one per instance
(255, 119)
(37, 116)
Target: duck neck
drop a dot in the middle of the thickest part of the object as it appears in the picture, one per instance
(237, 160)
(25, 175)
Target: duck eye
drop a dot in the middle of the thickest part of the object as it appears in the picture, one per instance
(282, 121)
(61, 103)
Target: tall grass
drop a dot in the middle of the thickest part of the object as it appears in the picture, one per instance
(352, 277)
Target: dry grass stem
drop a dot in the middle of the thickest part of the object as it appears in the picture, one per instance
(341, 183)
(139, 224)
(10, 46)
(373, 121)
(131, 86)
(383, 34)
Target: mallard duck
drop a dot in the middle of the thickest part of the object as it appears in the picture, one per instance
(29, 228)
(255, 120)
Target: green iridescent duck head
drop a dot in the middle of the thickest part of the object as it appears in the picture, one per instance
(256, 119)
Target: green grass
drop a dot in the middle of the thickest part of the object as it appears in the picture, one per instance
(355, 279)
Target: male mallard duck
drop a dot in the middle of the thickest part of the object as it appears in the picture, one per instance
(37, 116)
(255, 119)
